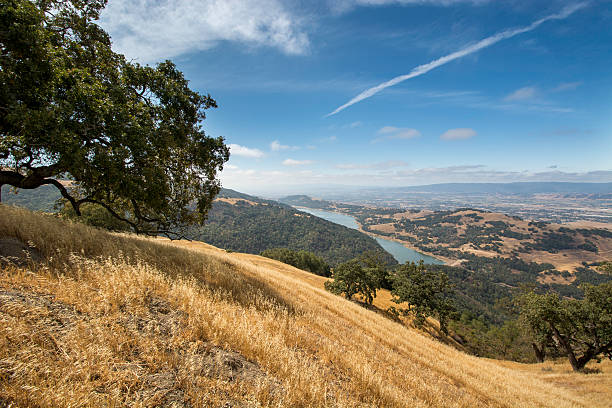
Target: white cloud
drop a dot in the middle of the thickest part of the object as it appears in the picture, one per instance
(346, 5)
(521, 94)
(567, 86)
(238, 150)
(276, 146)
(458, 134)
(150, 30)
(291, 162)
(298, 180)
(389, 164)
(484, 43)
(394, 133)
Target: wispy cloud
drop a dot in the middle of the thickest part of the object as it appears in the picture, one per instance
(329, 139)
(521, 94)
(484, 43)
(389, 164)
(292, 162)
(247, 179)
(150, 30)
(238, 150)
(567, 86)
(346, 5)
(276, 146)
(458, 134)
(394, 133)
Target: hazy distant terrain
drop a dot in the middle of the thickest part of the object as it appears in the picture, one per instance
(555, 202)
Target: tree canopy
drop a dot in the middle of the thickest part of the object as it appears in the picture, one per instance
(304, 260)
(127, 137)
(427, 292)
(363, 275)
(582, 329)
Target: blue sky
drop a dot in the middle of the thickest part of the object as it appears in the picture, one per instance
(500, 91)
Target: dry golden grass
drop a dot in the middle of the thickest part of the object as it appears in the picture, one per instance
(118, 320)
(595, 386)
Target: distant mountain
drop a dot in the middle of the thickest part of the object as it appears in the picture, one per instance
(512, 188)
(42, 198)
(306, 201)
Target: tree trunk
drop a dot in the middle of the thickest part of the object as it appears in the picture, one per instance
(539, 352)
(443, 327)
(576, 365)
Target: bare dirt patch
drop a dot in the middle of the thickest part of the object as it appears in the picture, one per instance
(387, 228)
(234, 201)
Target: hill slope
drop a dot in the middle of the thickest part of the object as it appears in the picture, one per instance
(243, 223)
(109, 319)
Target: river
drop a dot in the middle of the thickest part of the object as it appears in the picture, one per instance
(401, 253)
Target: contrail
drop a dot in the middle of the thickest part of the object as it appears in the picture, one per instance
(484, 43)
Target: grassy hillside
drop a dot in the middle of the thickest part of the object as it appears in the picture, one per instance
(244, 223)
(116, 320)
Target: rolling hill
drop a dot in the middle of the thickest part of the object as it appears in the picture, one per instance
(243, 223)
(489, 255)
(105, 319)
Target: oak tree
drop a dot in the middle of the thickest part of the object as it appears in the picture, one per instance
(363, 275)
(427, 293)
(582, 329)
(103, 130)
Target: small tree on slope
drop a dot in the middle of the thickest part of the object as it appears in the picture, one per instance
(427, 293)
(363, 275)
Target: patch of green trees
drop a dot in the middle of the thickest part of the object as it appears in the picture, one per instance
(426, 292)
(304, 260)
(95, 216)
(363, 275)
(253, 225)
(580, 329)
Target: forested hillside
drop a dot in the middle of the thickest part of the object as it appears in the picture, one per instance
(244, 223)
(42, 198)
